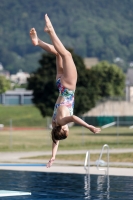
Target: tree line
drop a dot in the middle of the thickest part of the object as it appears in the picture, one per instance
(101, 29)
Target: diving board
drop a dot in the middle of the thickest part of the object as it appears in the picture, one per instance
(8, 193)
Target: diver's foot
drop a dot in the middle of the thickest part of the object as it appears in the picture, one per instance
(48, 27)
(33, 36)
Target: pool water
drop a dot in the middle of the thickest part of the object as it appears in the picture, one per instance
(54, 186)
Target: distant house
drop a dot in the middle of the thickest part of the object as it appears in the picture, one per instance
(16, 97)
(89, 62)
(129, 85)
(20, 77)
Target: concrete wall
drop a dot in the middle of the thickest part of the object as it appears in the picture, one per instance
(112, 108)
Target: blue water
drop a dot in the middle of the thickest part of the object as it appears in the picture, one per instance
(54, 186)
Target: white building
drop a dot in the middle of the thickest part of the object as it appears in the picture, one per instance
(19, 96)
(20, 77)
(129, 85)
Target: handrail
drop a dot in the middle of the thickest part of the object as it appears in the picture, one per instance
(87, 158)
(98, 163)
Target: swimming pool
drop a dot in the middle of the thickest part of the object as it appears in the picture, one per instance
(54, 186)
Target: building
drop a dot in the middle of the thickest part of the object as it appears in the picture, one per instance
(19, 96)
(89, 62)
(16, 97)
(20, 77)
(129, 85)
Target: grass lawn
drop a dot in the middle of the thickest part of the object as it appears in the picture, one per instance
(121, 157)
(40, 140)
(79, 138)
(21, 116)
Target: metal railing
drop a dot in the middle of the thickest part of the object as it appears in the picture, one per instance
(87, 161)
(99, 163)
(87, 176)
(100, 179)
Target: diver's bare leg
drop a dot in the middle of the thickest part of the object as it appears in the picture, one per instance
(69, 69)
(59, 66)
(37, 42)
(49, 48)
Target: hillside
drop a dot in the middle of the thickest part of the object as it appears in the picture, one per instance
(101, 29)
(22, 116)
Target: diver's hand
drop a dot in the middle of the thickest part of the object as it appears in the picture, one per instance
(94, 129)
(49, 164)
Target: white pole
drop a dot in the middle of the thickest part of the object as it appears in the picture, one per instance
(130, 127)
(83, 132)
(117, 130)
(10, 133)
(109, 125)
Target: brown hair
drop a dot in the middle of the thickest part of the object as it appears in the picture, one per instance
(58, 134)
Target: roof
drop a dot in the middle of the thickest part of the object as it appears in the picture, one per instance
(19, 92)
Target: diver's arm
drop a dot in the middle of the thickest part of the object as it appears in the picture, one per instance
(54, 151)
(79, 121)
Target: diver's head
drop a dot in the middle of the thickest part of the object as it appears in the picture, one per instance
(59, 133)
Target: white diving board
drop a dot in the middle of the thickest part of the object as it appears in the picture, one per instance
(8, 193)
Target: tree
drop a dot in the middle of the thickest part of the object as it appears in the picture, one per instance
(110, 79)
(86, 95)
(42, 82)
(4, 84)
(45, 92)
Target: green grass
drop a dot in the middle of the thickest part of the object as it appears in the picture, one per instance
(79, 138)
(121, 157)
(21, 116)
(34, 140)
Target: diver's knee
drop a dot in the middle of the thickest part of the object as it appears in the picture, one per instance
(67, 54)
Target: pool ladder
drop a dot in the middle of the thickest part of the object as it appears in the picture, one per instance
(87, 161)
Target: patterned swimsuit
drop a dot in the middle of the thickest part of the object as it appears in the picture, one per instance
(68, 98)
